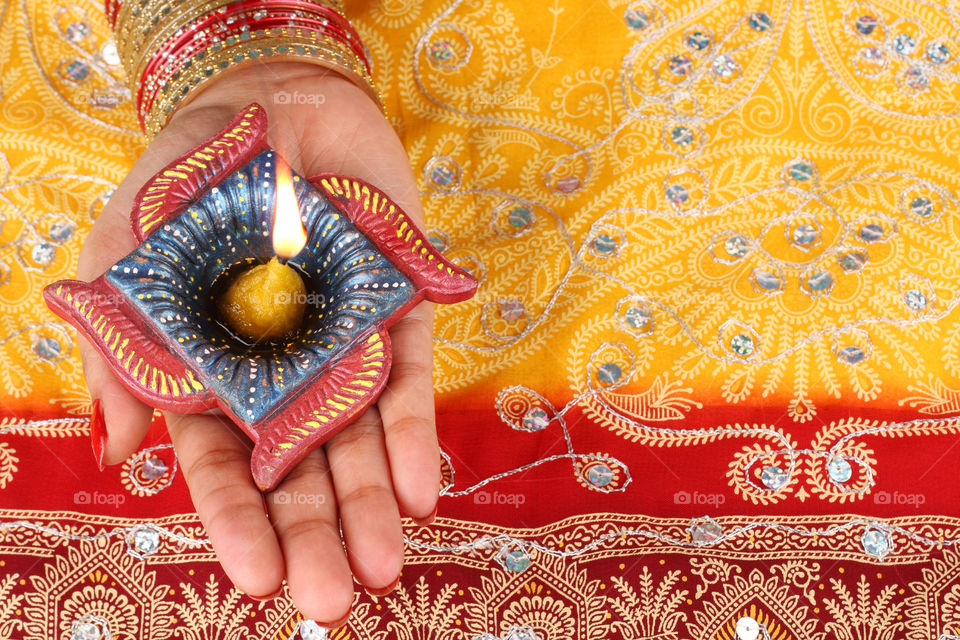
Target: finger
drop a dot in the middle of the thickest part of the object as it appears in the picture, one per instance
(409, 423)
(304, 514)
(216, 464)
(126, 420)
(368, 509)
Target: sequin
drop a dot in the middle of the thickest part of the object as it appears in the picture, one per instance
(866, 24)
(511, 310)
(767, 281)
(110, 55)
(609, 373)
(143, 542)
(747, 629)
(698, 40)
(742, 344)
(604, 244)
(85, 631)
(705, 530)
(851, 354)
(437, 242)
(521, 633)
(904, 44)
(871, 232)
(682, 136)
(921, 206)
(874, 57)
(310, 630)
(520, 217)
(76, 71)
(599, 474)
(851, 261)
(760, 21)
(820, 281)
(516, 560)
(839, 469)
(443, 175)
(916, 79)
(638, 318)
(535, 419)
(680, 65)
(805, 235)
(938, 53)
(737, 246)
(800, 171)
(636, 19)
(77, 31)
(47, 349)
(876, 543)
(42, 253)
(259, 14)
(442, 172)
(677, 194)
(61, 230)
(154, 467)
(569, 184)
(773, 477)
(725, 66)
(441, 51)
(915, 299)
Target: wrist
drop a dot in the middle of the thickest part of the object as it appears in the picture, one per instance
(288, 90)
(263, 81)
(171, 51)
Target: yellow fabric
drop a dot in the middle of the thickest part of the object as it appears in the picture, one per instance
(503, 99)
(543, 91)
(63, 148)
(554, 89)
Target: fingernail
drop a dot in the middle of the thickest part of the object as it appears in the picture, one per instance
(429, 519)
(98, 432)
(336, 623)
(383, 590)
(269, 597)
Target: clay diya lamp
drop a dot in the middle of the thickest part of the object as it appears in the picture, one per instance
(203, 315)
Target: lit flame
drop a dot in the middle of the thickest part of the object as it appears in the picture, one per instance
(289, 236)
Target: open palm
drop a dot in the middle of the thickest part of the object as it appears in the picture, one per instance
(361, 479)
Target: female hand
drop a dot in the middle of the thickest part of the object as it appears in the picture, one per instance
(360, 480)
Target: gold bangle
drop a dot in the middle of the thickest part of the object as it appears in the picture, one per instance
(138, 41)
(144, 27)
(298, 45)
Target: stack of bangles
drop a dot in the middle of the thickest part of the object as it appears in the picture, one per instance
(171, 47)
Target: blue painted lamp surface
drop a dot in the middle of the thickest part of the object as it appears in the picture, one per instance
(171, 279)
(153, 315)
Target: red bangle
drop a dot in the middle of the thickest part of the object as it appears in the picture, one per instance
(112, 8)
(161, 68)
(173, 46)
(148, 103)
(350, 36)
(329, 23)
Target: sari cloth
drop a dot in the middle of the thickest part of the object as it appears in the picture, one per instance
(708, 387)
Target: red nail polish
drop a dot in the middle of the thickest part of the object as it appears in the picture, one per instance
(383, 590)
(98, 432)
(425, 521)
(336, 623)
